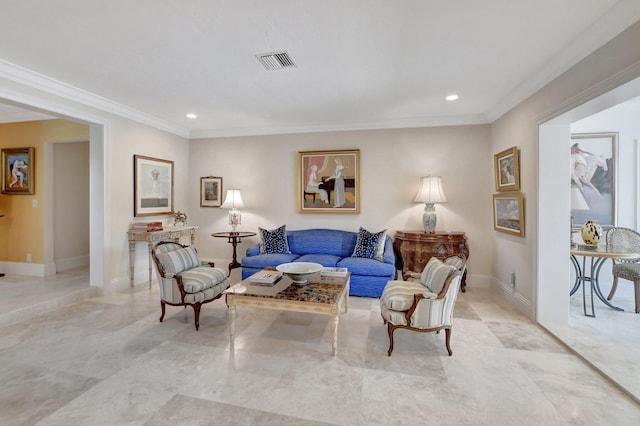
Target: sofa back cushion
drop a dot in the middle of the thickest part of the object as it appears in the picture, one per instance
(175, 261)
(322, 241)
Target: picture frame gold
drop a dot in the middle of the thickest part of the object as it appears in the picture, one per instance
(507, 170)
(210, 191)
(18, 171)
(508, 213)
(329, 181)
(152, 186)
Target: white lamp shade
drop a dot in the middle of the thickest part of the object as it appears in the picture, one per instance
(430, 190)
(577, 200)
(233, 200)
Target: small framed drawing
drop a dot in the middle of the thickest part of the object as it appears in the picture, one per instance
(210, 191)
(508, 213)
(329, 181)
(507, 170)
(17, 171)
(152, 186)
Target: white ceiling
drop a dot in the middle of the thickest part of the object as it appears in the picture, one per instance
(360, 63)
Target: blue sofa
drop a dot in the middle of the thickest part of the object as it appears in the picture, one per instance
(332, 248)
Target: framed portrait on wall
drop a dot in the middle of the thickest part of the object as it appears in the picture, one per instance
(17, 171)
(152, 186)
(329, 181)
(508, 213)
(507, 170)
(594, 161)
(210, 191)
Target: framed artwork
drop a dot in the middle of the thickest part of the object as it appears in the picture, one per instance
(152, 186)
(329, 181)
(210, 191)
(507, 170)
(508, 213)
(593, 172)
(17, 171)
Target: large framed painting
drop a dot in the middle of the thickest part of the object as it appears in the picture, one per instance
(17, 171)
(153, 186)
(210, 191)
(507, 170)
(508, 213)
(329, 181)
(593, 173)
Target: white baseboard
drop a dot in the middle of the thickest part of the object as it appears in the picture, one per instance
(72, 262)
(515, 299)
(28, 269)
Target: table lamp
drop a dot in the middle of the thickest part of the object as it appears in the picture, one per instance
(233, 202)
(430, 193)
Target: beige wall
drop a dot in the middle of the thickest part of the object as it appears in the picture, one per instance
(22, 228)
(391, 163)
(519, 126)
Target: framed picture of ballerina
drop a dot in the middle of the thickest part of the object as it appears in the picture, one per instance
(329, 181)
(593, 173)
(17, 171)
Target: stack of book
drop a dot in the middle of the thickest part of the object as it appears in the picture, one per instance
(265, 277)
(334, 272)
(146, 226)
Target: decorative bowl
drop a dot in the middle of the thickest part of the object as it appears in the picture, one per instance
(299, 272)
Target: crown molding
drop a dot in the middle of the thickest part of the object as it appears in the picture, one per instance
(404, 123)
(51, 86)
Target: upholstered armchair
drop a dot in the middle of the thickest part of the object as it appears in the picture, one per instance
(424, 301)
(624, 240)
(184, 280)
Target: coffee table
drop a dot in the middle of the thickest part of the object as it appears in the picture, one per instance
(321, 295)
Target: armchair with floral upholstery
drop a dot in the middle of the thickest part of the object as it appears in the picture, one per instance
(424, 301)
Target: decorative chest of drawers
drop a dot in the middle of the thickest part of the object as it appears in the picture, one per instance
(415, 248)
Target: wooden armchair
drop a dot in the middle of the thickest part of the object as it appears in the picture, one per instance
(424, 301)
(184, 280)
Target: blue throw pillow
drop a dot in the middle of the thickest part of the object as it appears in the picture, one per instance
(274, 240)
(370, 245)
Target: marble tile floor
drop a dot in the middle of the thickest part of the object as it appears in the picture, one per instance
(106, 360)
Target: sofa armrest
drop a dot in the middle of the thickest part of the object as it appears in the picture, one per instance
(388, 256)
(253, 251)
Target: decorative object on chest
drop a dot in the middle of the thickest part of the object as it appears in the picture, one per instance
(417, 247)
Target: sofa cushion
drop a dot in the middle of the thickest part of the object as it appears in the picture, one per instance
(274, 240)
(369, 244)
(322, 241)
(323, 259)
(175, 261)
(365, 266)
(265, 260)
(435, 274)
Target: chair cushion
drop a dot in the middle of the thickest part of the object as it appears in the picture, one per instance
(630, 270)
(370, 245)
(200, 278)
(435, 274)
(175, 261)
(398, 295)
(274, 240)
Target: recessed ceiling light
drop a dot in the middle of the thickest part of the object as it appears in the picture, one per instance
(452, 97)
(191, 115)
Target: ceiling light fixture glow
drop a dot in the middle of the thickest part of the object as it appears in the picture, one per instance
(191, 115)
(452, 97)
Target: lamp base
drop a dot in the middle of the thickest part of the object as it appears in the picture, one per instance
(429, 218)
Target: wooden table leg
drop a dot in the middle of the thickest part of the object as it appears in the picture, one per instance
(132, 260)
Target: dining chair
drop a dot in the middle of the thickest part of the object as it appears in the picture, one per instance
(625, 240)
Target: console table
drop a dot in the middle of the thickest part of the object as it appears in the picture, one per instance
(415, 248)
(169, 233)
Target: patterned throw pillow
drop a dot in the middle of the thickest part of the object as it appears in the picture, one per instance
(435, 274)
(370, 245)
(274, 240)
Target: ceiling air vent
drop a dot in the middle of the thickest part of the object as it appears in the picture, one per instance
(276, 60)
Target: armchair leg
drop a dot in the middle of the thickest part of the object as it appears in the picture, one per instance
(636, 284)
(390, 329)
(162, 307)
(447, 333)
(196, 313)
(614, 287)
